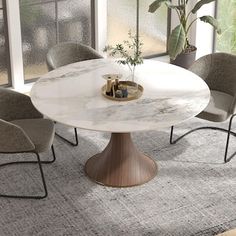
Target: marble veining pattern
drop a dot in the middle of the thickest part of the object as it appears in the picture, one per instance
(72, 95)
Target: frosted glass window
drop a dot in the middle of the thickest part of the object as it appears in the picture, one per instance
(38, 35)
(121, 18)
(45, 23)
(152, 27)
(75, 21)
(226, 14)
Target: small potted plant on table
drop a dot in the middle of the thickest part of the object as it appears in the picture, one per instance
(180, 50)
(129, 52)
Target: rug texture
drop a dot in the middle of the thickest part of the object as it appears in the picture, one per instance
(194, 193)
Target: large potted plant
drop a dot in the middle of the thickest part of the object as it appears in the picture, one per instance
(180, 50)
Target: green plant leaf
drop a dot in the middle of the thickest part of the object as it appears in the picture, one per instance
(172, 6)
(177, 41)
(156, 4)
(200, 4)
(212, 21)
(129, 51)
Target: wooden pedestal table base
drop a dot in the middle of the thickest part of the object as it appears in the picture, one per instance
(121, 164)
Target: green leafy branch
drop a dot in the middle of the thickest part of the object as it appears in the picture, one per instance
(129, 52)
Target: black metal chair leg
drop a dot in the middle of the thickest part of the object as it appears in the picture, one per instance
(171, 135)
(228, 131)
(47, 162)
(42, 177)
(227, 140)
(32, 162)
(68, 141)
(53, 154)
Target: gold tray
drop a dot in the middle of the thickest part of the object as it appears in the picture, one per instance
(133, 93)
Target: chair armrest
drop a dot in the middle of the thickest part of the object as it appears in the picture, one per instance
(88, 53)
(14, 139)
(15, 106)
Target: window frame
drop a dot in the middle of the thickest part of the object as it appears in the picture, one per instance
(167, 31)
(14, 40)
(57, 27)
(8, 67)
(214, 34)
(101, 11)
(167, 37)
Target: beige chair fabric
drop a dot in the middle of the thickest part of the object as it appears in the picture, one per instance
(39, 131)
(22, 127)
(15, 105)
(67, 53)
(219, 72)
(14, 139)
(218, 108)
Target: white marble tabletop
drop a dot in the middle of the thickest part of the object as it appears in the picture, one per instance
(72, 95)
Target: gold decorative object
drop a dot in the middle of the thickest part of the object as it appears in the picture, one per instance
(133, 90)
(112, 76)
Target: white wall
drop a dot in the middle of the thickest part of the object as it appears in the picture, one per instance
(205, 32)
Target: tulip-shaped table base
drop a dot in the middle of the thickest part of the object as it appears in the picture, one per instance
(120, 164)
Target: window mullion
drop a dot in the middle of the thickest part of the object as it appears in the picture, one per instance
(15, 45)
(56, 22)
(100, 24)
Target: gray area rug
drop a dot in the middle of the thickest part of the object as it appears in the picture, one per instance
(193, 194)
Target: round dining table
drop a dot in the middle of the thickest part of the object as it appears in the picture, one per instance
(72, 95)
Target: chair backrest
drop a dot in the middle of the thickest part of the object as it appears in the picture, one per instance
(218, 70)
(14, 105)
(67, 53)
(13, 138)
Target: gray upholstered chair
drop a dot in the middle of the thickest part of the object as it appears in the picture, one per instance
(218, 70)
(66, 53)
(24, 130)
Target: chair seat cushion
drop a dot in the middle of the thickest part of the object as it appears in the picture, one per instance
(40, 131)
(218, 108)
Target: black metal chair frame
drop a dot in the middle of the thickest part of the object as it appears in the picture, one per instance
(68, 141)
(39, 162)
(228, 131)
